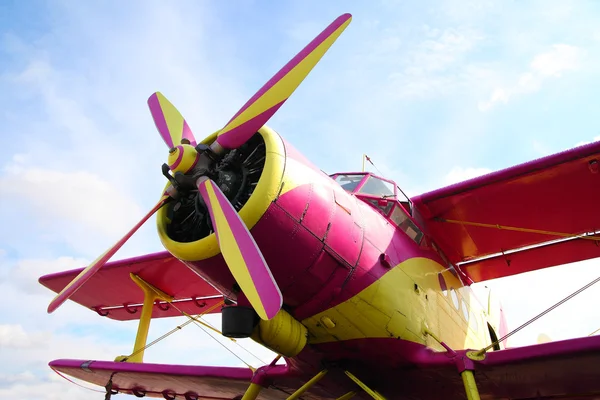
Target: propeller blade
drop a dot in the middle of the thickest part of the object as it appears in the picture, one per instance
(168, 120)
(242, 255)
(261, 107)
(94, 267)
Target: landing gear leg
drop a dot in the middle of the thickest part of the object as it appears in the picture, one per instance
(470, 385)
(252, 392)
(307, 385)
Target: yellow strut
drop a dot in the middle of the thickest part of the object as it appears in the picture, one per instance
(252, 392)
(347, 396)
(307, 385)
(151, 294)
(518, 229)
(364, 387)
(470, 385)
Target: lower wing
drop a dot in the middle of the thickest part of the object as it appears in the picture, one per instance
(181, 381)
(566, 369)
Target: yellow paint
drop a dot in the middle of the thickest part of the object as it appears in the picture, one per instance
(187, 161)
(151, 293)
(327, 322)
(470, 385)
(283, 334)
(279, 176)
(391, 307)
(347, 396)
(265, 192)
(287, 84)
(252, 392)
(232, 253)
(173, 118)
(364, 387)
(307, 385)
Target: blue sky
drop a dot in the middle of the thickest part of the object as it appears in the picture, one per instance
(434, 93)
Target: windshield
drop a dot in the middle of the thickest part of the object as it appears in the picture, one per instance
(349, 182)
(377, 187)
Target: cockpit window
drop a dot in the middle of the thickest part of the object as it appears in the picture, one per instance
(349, 182)
(384, 205)
(377, 187)
(402, 221)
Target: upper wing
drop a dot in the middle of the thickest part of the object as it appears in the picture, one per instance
(113, 293)
(476, 219)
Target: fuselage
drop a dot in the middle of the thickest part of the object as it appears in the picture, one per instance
(352, 264)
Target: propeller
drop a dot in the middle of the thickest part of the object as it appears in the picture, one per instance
(191, 162)
(169, 121)
(98, 263)
(240, 252)
(261, 107)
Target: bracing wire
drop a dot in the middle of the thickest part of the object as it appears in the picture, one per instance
(569, 297)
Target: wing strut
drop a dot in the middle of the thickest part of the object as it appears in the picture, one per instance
(465, 365)
(151, 295)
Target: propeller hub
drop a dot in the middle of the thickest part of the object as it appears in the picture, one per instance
(183, 158)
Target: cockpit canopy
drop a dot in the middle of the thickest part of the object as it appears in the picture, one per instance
(381, 194)
(366, 183)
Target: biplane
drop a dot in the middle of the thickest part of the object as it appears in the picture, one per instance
(362, 291)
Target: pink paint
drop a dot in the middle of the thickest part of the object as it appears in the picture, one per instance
(556, 193)
(178, 159)
(159, 120)
(241, 134)
(260, 273)
(389, 366)
(187, 133)
(80, 280)
(155, 379)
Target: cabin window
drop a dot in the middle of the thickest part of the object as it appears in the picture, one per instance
(465, 310)
(454, 298)
(474, 325)
(349, 182)
(377, 187)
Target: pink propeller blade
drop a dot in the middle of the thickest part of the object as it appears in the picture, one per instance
(95, 266)
(261, 107)
(242, 255)
(168, 120)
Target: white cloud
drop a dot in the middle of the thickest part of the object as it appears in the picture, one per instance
(25, 272)
(436, 65)
(14, 336)
(77, 196)
(554, 63)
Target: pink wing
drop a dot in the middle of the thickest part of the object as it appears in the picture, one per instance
(182, 381)
(111, 287)
(566, 369)
(556, 194)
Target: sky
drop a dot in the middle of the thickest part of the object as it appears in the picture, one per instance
(434, 93)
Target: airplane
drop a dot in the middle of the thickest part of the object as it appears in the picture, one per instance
(361, 290)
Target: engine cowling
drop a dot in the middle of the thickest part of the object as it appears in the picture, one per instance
(307, 227)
